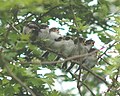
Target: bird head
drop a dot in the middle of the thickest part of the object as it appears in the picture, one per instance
(44, 27)
(81, 40)
(54, 29)
(90, 42)
(31, 28)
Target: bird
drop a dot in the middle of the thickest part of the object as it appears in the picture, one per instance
(52, 38)
(74, 51)
(30, 26)
(54, 34)
(68, 46)
(89, 44)
(91, 60)
(44, 32)
(85, 47)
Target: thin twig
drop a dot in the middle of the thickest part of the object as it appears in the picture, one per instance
(105, 61)
(78, 83)
(83, 83)
(61, 61)
(107, 49)
(113, 83)
(12, 25)
(68, 59)
(102, 79)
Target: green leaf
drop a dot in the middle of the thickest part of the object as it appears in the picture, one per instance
(117, 46)
(20, 45)
(25, 36)
(36, 81)
(9, 91)
(54, 93)
(16, 88)
(117, 19)
(49, 81)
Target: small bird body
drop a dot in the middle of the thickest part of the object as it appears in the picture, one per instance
(68, 47)
(44, 33)
(91, 60)
(53, 38)
(81, 49)
(74, 49)
(58, 46)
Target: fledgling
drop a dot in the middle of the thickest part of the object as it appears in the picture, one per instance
(76, 51)
(30, 27)
(58, 43)
(85, 47)
(79, 48)
(68, 46)
(44, 32)
(89, 44)
(53, 36)
(54, 33)
(91, 60)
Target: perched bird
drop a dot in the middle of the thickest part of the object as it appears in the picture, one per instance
(53, 36)
(74, 50)
(44, 32)
(89, 44)
(68, 46)
(84, 48)
(30, 27)
(91, 60)
(79, 48)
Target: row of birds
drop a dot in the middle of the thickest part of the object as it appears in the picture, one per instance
(64, 45)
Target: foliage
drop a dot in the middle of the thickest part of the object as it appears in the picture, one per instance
(18, 73)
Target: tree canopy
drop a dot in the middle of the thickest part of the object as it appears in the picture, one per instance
(20, 59)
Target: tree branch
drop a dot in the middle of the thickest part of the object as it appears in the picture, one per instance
(61, 61)
(73, 60)
(107, 49)
(83, 84)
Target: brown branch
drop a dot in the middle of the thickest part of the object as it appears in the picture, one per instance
(102, 79)
(68, 59)
(13, 26)
(82, 83)
(107, 49)
(15, 77)
(78, 83)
